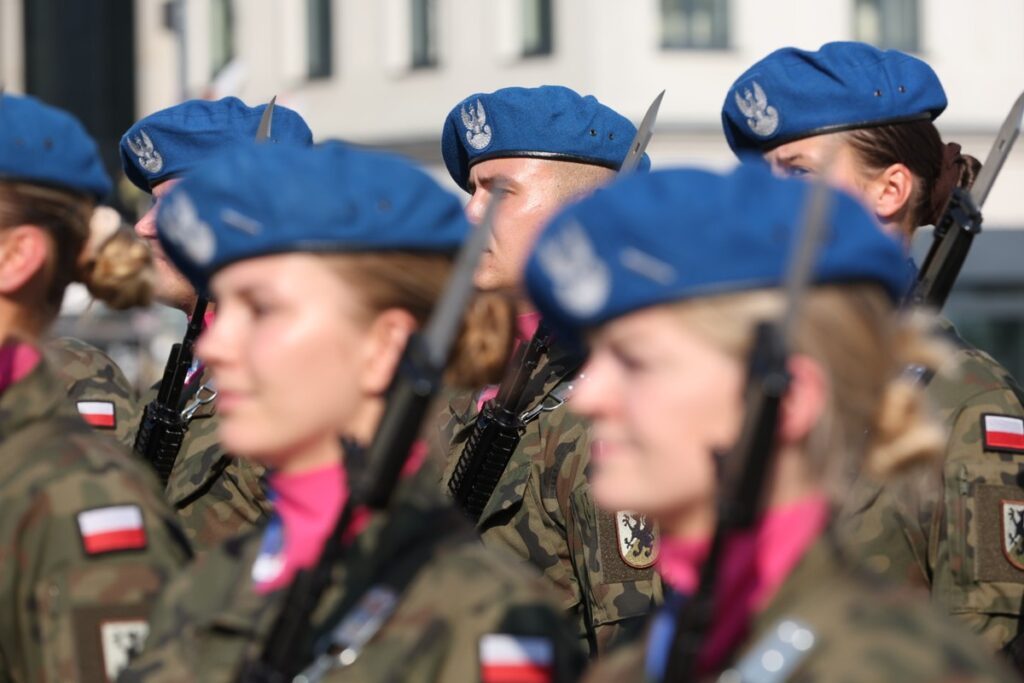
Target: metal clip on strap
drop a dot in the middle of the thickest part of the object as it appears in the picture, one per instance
(204, 395)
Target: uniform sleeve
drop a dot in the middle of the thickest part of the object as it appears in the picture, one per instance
(612, 553)
(98, 550)
(97, 387)
(979, 558)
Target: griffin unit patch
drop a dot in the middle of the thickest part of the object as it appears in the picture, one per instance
(638, 539)
(1013, 532)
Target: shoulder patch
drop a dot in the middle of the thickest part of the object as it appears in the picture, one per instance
(1003, 433)
(112, 529)
(637, 539)
(1012, 513)
(505, 658)
(121, 640)
(100, 414)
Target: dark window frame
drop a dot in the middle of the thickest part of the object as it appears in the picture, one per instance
(319, 39)
(720, 38)
(544, 46)
(423, 34)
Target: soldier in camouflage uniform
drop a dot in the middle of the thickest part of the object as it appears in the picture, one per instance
(96, 385)
(956, 536)
(87, 543)
(548, 145)
(669, 325)
(303, 350)
(216, 496)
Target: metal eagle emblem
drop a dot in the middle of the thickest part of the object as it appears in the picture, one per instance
(1013, 532)
(478, 132)
(638, 539)
(188, 231)
(761, 118)
(581, 280)
(143, 148)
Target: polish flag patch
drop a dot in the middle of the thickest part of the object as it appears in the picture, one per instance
(506, 658)
(1003, 433)
(98, 413)
(112, 529)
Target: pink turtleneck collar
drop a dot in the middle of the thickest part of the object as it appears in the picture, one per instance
(17, 360)
(306, 508)
(755, 565)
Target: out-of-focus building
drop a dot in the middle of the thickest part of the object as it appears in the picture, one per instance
(386, 72)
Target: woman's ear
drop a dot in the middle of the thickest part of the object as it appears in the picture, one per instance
(23, 253)
(805, 401)
(890, 192)
(384, 343)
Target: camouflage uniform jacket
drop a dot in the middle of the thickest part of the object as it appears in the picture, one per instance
(216, 495)
(831, 622)
(543, 512)
(86, 541)
(961, 533)
(103, 395)
(211, 620)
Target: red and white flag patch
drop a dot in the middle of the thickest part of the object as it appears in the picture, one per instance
(112, 529)
(98, 413)
(507, 658)
(1003, 433)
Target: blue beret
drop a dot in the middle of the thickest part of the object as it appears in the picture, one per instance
(793, 94)
(549, 122)
(258, 199)
(173, 141)
(685, 233)
(43, 144)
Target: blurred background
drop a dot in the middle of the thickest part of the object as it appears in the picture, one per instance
(385, 73)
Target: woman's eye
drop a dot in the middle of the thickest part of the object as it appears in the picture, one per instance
(797, 171)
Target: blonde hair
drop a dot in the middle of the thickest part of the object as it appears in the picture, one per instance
(876, 419)
(90, 245)
(414, 282)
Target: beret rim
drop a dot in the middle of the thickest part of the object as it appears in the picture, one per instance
(843, 127)
(50, 184)
(552, 156)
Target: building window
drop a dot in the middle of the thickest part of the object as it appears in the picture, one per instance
(319, 42)
(888, 24)
(695, 24)
(424, 34)
(538, 28)
(222, 34)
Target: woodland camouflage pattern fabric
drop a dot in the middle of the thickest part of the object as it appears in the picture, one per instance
(210, 619)
(948, 533)
(91, 376)
(70, 610)
(542, 511)
(829, 622)
(215, 495)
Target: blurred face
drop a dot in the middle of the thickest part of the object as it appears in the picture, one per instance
(534, 192)
(172, 289)
(288, 350)
(662, 401)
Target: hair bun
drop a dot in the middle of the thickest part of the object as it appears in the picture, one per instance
(115, 265)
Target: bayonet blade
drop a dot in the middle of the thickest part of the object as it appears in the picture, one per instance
(642, 137)
(266, 121)
(1008, 133)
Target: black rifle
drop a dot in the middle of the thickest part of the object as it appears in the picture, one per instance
(961, 221)
(288, 649)
(499, 427)
(163, 428)
(743, 472)
(497, 431)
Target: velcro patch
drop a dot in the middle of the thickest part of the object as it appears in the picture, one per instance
(121, 640)
(99, 414)
(112, 529)
(506, 658)
(616, 542)
(999, 521)
(1003, 433)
